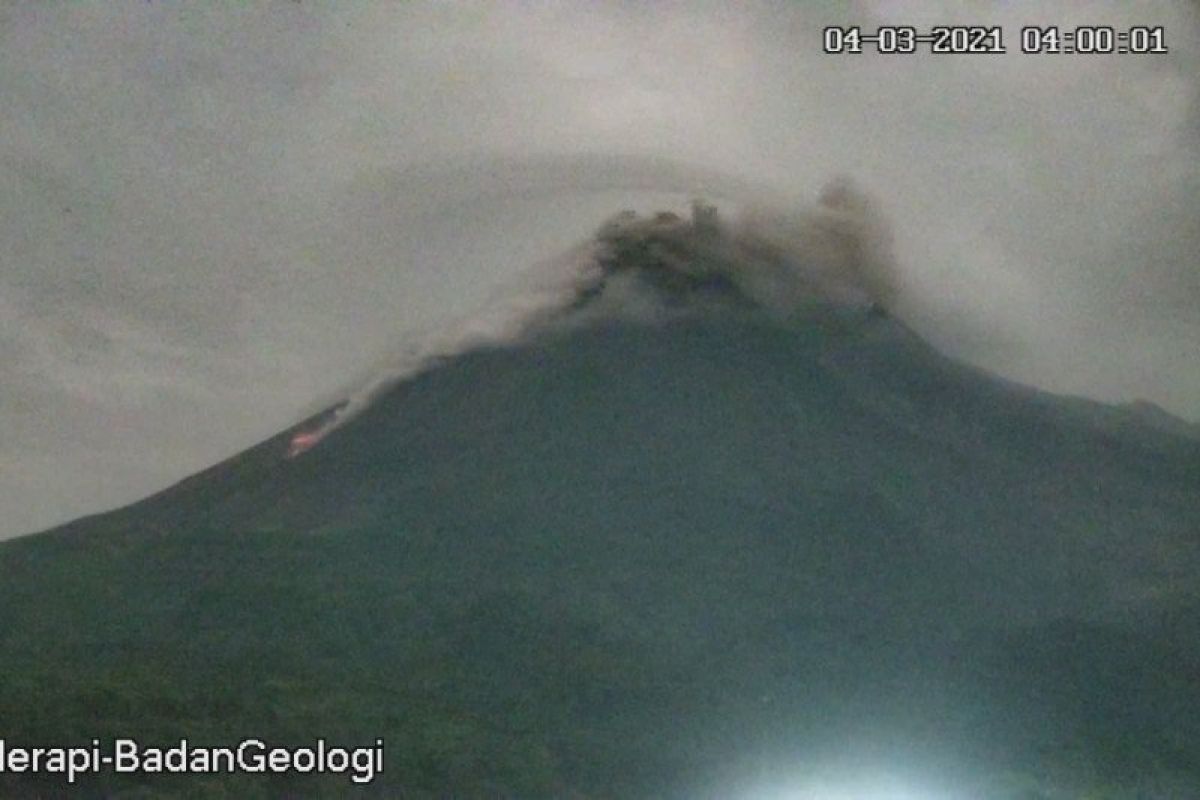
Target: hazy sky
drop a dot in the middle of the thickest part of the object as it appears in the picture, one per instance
(215, 215)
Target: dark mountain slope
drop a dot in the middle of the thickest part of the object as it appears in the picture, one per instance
(627, 560)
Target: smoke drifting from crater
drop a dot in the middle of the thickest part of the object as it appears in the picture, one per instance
(834, 254)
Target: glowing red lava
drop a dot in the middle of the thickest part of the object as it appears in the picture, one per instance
(302, 441)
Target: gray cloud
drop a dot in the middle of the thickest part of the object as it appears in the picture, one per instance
(214, 216)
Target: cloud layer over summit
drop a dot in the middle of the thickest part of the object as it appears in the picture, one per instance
(214, 216)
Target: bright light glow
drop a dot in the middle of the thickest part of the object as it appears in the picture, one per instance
(849, 782)
(848, 790)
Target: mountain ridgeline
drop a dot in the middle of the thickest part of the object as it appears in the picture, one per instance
(716, 525)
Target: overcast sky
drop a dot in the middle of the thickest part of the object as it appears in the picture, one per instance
(215, 215)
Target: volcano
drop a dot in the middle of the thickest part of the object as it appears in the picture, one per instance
(678, 538)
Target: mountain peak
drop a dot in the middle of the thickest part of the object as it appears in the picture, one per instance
(691, 522)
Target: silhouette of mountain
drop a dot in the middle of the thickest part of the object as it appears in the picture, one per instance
(672, 541)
